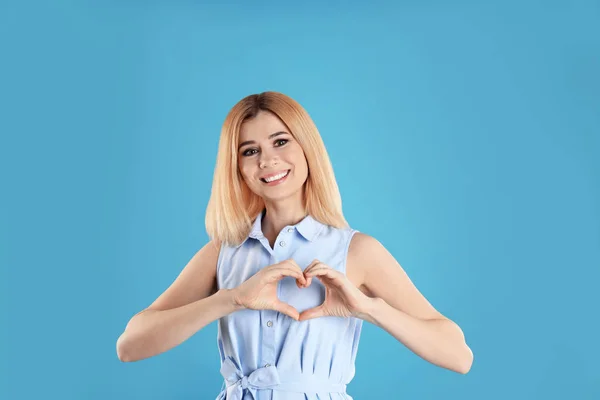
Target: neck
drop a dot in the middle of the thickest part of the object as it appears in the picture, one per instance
(280, 214)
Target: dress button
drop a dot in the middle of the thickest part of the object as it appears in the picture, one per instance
(282, 243)
(269, 324)
(291, 230)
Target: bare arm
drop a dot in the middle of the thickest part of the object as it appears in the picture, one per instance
(188, 305)
(399, 307)
(155, 331)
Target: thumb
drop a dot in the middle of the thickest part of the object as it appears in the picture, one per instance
(314, 312)
(286, 309)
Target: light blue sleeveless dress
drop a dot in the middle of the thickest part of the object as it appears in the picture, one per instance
(266, 355)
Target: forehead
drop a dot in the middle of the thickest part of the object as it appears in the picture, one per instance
(261, 126)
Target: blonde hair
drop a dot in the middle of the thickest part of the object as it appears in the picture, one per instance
(233, 206)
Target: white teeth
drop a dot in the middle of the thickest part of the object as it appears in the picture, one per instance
(278, 176)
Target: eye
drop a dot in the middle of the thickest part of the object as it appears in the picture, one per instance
(281, 140)
(248, 152)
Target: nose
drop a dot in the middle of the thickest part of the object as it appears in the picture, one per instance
(268, 160)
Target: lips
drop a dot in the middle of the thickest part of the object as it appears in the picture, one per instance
(275, 177)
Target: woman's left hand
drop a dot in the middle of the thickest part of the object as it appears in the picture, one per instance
(342, 298)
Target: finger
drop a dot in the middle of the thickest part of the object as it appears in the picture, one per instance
(314, 265)
(286, 309)
(292, 263)
(309, 268)
(279, 273)
(287, 268)
(319, 269)
(315, 312)
(287, 264)
(311, 265)
(327, 275)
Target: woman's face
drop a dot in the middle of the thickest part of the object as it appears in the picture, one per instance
(271, 162)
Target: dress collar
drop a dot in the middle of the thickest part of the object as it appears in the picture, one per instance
(308, 227)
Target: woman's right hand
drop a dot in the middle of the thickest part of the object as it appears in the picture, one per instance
(260, 291)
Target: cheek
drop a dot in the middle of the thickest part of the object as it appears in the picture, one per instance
(301, 165)
(300, 171)
(302, 168)
(299, 160)
(246, 172)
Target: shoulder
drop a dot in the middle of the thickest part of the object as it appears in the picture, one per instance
(362, 249)
(216, 243)
(361, 244)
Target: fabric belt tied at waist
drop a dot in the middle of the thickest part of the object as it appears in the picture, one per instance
(268, 378)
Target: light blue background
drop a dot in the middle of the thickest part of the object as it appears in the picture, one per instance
(464, 136)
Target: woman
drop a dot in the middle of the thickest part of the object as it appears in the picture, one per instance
(289, 281)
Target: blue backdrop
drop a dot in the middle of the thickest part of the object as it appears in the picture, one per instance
(465, 137)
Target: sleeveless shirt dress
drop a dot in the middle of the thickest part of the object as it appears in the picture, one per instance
(266, 355)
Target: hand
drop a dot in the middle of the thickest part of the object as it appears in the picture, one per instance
(260, 291)
(342, 298)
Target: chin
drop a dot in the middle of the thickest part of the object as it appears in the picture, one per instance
(276, 196)
(278, 193)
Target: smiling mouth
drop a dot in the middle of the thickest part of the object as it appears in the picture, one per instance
(275, 177)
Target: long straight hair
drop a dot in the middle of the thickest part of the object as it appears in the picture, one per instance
(232, 206)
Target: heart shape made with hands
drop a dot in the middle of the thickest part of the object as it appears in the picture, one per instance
(342, 298)
(308, 275)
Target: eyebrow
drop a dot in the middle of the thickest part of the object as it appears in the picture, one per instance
(271, 136)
